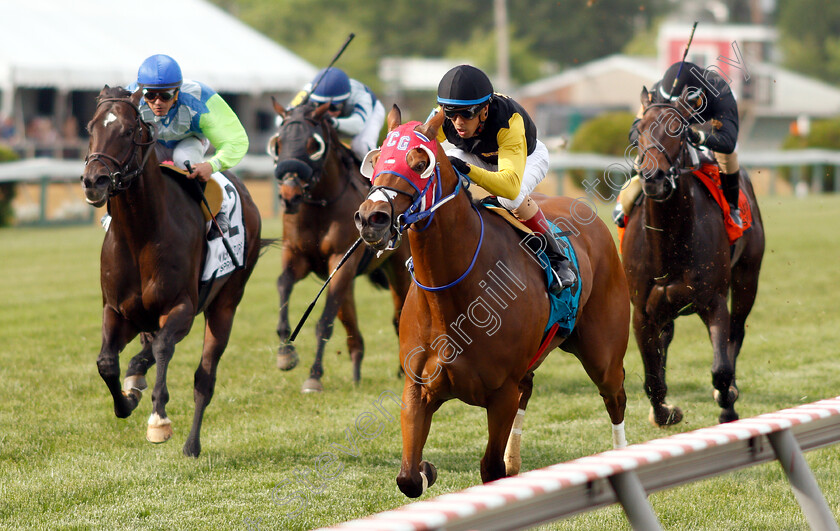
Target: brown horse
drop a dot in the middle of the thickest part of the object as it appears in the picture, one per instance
(320, 189)
(150, 264)
(678, 261)
(454, 342)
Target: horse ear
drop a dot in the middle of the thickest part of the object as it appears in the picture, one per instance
(320, 111)
(432, 125)
(683, 104)
(645, 97)
(394, 118)
(279, 109)
(135, 98)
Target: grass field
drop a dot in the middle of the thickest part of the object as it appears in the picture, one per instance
(67, 463)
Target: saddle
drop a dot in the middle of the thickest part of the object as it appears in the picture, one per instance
(212, 189)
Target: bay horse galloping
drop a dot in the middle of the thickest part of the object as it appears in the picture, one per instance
(473, 324)
(151, 260)
(678, 260)
(320, 189)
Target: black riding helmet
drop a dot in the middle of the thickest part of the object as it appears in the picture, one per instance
(687, 77)
(464, 86)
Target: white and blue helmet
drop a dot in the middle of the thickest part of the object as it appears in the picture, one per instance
(334, 86)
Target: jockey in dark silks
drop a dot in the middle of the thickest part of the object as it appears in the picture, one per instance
(496, 146)
(713, 124)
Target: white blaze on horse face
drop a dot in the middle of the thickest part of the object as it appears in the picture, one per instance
(109, 119)
(379, 195)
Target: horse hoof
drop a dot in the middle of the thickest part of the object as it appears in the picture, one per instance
(287, 361)
(733, 396)
(135, 385)
(665, 415)
(429, 472)
(728, 415)
(159, 430)
(312, 385)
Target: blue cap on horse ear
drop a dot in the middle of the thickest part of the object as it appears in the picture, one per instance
(334, 86)
(464, 85)
(159, 72)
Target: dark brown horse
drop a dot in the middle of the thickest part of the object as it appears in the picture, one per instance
(678, 261)
(320, 189)
(151, 260)
(473, 331)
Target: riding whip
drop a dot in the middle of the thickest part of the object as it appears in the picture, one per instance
(682, 62)
(312, 304)
(213, 218)
(318, 81)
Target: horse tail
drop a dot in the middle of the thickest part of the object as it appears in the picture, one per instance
(379, 278)
(265, 243)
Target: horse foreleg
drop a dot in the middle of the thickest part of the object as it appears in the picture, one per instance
(293, 270)
(501, 411)
(744, 290)
(336, 294)
(652, 346)
(399, 281)
(116, 333)
(218, 324)
(355, 343)
(415, 420)
(513, 458)
(135, 375)
(176, 325)
(725, 393)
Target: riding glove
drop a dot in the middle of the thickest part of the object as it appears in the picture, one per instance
(460, 165)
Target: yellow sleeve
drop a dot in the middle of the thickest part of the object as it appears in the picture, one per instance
(513, 150)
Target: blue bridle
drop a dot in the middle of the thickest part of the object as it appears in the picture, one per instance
(414, 214)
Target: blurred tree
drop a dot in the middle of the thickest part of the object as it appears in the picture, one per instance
(560, 32)
(810, 37)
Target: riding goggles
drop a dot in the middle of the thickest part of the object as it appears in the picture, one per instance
(467, 113)
(163, 95)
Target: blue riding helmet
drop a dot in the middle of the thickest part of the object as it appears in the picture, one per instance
(334, 86)
(159, 72)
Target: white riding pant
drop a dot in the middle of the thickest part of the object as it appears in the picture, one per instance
(536, 168)
(368, 139)
(190, 149)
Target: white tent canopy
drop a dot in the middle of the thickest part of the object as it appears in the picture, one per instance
(85, 44)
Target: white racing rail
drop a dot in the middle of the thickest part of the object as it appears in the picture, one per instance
(627, 476)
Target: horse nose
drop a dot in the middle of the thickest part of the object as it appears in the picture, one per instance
(373, 226)
(99, 180)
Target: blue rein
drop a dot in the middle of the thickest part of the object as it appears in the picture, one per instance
(412, 215)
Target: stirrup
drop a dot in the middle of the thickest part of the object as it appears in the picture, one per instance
(564, 276)
(735, 215)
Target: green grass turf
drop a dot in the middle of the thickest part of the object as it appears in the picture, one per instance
(66, 462)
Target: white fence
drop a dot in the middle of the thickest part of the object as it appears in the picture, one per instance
(627, 476)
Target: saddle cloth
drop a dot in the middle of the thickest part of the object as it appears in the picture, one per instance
(563, 308)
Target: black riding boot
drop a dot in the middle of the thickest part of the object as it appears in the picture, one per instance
(731, 191)
(224, 224)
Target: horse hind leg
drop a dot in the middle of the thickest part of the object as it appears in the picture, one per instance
(513, 458)
(135, 376)
(355, 343)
